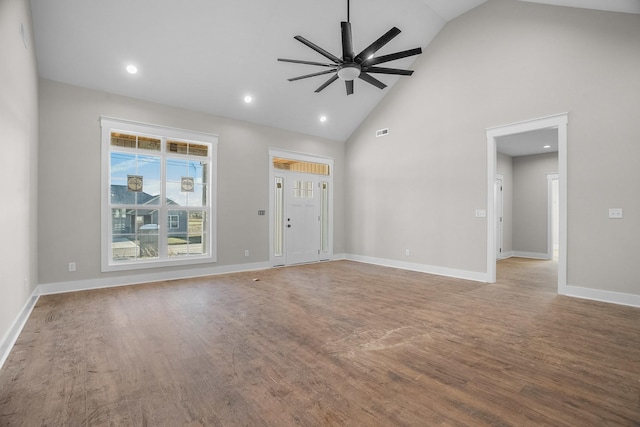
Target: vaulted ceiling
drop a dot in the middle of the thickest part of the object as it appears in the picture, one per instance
(207, 55)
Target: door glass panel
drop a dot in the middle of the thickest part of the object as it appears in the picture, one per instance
(278, 231)
(303, 189)
(324, 216)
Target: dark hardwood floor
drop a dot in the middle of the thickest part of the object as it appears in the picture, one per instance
(338, 343)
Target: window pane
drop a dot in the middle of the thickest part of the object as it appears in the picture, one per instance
(124, 247)
(300, 166)
(135, 234)
(146, 143)
(198, 149)
(198, 196)
(186, 233)
(149, 168)
(177, 147)
(147, 232)
(197, 232)
(176, 169)
(123, 140)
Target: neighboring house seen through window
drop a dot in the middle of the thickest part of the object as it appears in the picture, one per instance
(155, 176)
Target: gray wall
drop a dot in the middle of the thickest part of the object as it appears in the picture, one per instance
(18, 161)
(504, 62)
(530, 201)
(69, 214)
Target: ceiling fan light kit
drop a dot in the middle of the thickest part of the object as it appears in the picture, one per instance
(351, 66)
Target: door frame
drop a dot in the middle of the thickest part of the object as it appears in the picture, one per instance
(499, 232)
(560, 122)
(550, 215)
(286, 154)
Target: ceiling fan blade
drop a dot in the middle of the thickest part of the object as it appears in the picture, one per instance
(297, 61)
(381, 70)
(372, 80)
(327, 83)
(349, 86)
(392, 57)
(347, 42)
(376, 45)
(293, 79)
(318, 49)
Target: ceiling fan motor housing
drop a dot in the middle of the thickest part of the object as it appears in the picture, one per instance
(349, 71)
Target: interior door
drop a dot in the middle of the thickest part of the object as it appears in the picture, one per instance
(301, 222)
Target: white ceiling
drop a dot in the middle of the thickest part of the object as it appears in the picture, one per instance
(206, 55)
(528, 143)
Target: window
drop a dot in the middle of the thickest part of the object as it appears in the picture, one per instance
(158, 196)
(174, 221)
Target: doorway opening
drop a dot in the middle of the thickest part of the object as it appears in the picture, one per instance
(558, 122)
(301, 208)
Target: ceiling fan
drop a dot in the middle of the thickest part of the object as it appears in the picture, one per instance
(352, 66)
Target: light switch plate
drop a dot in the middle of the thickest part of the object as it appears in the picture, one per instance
(481, 213)
(615, 213)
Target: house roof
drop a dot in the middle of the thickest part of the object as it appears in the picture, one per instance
(120, 195)
(207, 55)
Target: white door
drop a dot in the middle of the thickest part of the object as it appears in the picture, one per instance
(499, 214)
(301, 221)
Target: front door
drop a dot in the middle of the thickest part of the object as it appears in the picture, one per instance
(301, 221)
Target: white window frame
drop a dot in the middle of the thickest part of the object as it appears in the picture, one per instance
(109, 125)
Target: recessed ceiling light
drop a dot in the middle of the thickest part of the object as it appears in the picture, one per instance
(248, 99)
(132, 69)
(323, 119)
(547, 146)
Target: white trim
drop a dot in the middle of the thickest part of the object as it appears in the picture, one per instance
(83, 285)
(603, 296)
(11, 336)
(312, 158)
(422, 268)
(505, 255)
(559, 121)
(533, 255)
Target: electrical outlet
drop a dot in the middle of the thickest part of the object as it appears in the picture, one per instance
(407, 252)
(481, 213)
(615, 213)
(246, 252)
(72, 266)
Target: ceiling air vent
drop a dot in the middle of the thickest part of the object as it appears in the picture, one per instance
(382, 132)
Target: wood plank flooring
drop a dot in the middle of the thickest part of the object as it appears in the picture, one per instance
(337, 343)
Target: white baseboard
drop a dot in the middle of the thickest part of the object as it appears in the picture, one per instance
(603, 296)
(422, 268)
(534, 255)
(108, 282)
(339, 257)
(9, 339)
